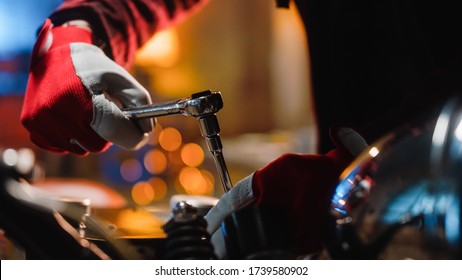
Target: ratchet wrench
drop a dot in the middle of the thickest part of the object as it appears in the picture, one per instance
(203, 106)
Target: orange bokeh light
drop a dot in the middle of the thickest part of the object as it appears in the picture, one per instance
(154, 135)
(209, 182)
(160, 187)
(170, 139)
(192, 154)
(142, 193)
(155, 162)
(195, 181)
(161, 50)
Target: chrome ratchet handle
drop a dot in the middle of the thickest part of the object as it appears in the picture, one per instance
(156, 110)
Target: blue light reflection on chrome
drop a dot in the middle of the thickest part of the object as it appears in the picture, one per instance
(411, 201)
(343, 212)
(342, 192)
(418, 200)
(452, 221)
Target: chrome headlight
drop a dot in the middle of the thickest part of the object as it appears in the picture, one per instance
(402, 198)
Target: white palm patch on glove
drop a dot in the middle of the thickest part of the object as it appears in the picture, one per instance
(111, 87)
(238, 197)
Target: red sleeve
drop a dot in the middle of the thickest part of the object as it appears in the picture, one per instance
(123, 26)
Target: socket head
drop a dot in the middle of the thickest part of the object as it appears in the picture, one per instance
(203, 104)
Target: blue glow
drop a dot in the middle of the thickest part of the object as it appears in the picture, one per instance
(452, 222)
(19, 22)
(111, 160)
(342, 191)
(413, 201)
(12, 83)
(341, 211)
(419, 200)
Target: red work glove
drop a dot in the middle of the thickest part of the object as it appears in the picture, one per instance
(302, 184)
(74, 95)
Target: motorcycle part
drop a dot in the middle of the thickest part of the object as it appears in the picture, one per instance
(32, 227)
(401, 199)
(187, 236)
(46, 227)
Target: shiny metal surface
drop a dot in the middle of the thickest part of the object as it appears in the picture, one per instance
(210, 130)
(183, 212)
(198, 105)
(401, 199)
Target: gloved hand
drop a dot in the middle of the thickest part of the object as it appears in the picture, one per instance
(74, 95)
(302, 184)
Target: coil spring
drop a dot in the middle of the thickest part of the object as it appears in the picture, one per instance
(187, 236)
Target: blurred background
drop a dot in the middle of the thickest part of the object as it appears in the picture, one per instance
(256, 57)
